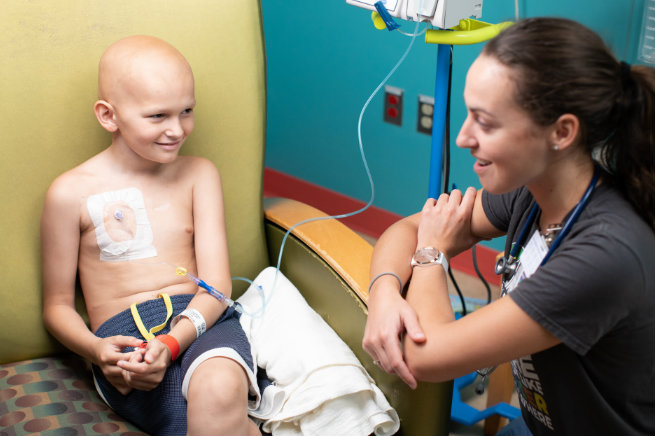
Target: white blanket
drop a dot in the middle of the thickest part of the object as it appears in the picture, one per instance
(320, 386)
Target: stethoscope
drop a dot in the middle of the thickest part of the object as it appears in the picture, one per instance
(507, 266)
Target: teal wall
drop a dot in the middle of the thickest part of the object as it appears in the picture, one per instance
(325, 58)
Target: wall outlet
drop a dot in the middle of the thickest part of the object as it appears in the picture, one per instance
(425, 113)
(393, 105)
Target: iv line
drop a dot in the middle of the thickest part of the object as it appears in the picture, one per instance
(364, 161)
(259, 312)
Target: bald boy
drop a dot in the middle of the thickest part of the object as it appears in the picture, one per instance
(166, 355)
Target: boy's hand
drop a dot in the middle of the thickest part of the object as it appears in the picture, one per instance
(108, 354)
(145, 368)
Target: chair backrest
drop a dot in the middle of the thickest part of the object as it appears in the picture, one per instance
(50, 51)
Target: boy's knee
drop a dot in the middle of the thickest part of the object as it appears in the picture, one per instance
(219, 380)
(219, 388)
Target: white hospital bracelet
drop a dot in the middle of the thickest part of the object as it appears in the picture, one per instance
(195, 317)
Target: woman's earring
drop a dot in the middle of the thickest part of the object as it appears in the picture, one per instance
(555, 147)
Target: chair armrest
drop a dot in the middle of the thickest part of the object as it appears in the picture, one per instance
(329, 264)
(341, 248)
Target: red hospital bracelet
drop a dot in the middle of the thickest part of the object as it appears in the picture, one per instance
(171, 343)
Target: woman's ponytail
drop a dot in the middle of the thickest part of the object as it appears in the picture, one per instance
(629, 153)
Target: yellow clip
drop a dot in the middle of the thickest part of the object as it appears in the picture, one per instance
(378, 22)
(468, 31)
(180, 271)
(150, 334)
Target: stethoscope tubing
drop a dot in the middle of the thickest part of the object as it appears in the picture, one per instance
(507, 266)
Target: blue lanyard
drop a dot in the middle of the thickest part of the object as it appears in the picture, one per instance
(518, 245)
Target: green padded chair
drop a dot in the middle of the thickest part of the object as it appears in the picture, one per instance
(50, 52)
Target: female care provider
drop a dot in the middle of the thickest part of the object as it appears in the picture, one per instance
(563, 140)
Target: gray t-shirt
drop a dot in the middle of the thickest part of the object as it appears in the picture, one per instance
(596, 294)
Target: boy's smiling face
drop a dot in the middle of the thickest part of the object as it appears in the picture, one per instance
(150, 88)
(154, 113)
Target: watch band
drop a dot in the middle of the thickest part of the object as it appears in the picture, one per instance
(433, 259)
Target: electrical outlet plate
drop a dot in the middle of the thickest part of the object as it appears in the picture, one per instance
(424, 115)
(393, 105)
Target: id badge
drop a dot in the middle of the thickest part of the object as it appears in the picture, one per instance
(528, 262)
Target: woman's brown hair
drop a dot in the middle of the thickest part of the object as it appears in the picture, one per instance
(564, 67)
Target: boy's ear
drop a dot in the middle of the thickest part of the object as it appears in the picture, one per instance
(105, 115)
(565, 131)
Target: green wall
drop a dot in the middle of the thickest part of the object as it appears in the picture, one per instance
(325, 58)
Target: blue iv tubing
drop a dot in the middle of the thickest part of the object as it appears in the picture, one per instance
(210, 289)
(366, 167)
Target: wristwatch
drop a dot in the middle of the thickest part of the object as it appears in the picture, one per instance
(427, 256)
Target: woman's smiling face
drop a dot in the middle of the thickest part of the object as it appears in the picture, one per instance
(510, 149)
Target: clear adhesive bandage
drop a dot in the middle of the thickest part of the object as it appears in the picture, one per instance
(195, 317)
(123, 211)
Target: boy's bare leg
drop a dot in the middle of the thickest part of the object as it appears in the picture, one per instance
(218, 400)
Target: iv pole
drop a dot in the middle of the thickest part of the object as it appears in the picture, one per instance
(439, 116)
(469, 31)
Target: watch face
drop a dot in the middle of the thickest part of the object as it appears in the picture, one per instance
(426, 255)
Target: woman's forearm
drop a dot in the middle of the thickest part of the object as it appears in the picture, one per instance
(394, 250)
(428, 296)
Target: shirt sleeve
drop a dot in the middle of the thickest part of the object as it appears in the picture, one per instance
(497, 209)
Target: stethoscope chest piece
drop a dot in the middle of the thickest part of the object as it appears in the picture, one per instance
(506, 266)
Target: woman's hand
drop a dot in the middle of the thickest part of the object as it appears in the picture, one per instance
(446, 223)
(390, 317)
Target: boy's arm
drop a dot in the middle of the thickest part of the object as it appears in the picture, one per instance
(210, 240)
(60, 239)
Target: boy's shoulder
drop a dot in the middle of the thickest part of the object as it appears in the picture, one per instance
(195, 162)
(195, 167)
(77, 180)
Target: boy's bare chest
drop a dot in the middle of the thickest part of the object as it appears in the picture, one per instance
(130, 223)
